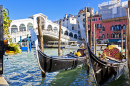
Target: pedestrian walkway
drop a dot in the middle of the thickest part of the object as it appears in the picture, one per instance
(3, 82)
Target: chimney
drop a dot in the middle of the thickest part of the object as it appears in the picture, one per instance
(65, 15)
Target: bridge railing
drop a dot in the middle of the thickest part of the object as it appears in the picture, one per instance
(49, 32)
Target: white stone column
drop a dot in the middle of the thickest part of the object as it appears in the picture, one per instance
(45, 23)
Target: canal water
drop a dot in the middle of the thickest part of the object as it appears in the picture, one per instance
(22, 70)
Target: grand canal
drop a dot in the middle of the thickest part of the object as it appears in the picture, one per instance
(22, 69)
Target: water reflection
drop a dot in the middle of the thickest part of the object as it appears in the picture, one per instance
(72, 77)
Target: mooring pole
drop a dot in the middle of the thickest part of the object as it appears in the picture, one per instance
(59, 44)
(122, 39)
(95, 43)
(94, 50)
(126, 40)
(86, 29)
(40, 39)
(90, 42)
(1, 40)
(128, 45)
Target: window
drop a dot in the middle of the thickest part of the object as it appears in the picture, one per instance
(117, 36)
(49, 27)
(123, 35)
(103, 36)
(100, 32)
(112, 28)
(66, 33)
(107, 35)
(124, 27)
(22, 27)
(75, 36)
(88, 20)
(84, 25)
(14, 29)
(97, 26)
(95, 19)
(29, 25)
(84, 20)
(71, 34)
(78, 15)
(72, 27)
(103, 28)
(55, 29)
(100, 25)
(112, 35)
(83, 14)
(78, 32)
(88, 26)
(100, 18)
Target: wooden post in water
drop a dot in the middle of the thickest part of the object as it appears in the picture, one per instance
(95, 43)
(40, 39)
(59, 44)
(126, 40)
(122, 39)
(94, 50)
(86, 29)
(128, 22)
(90, 42)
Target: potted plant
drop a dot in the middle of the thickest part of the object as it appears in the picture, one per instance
(8, 44)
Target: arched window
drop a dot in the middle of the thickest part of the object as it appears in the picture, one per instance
(107, 35)
(22, 27)
(49, 27)
(75, 36)
(66, 33)
(71, 34)
(55, 29)
(119, 27)
(124, 27)
(119, 35)
(112, 35)
(29, 25)
(112, 28)
(103, 36)
(14, 29)
(123, 35)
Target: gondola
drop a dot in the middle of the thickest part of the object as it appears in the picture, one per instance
(59, 63)
(105, 71)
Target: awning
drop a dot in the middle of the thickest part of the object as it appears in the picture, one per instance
(115, 40)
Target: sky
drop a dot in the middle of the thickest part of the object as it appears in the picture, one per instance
(53, 9)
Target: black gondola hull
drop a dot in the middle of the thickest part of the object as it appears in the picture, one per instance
(53, 64)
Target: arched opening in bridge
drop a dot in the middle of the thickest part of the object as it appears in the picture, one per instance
(22, 27)
(29, 25)
(61, 31)
(14, 29)
(55, 29)
(66, 33)
(49, 27)
(71, 34)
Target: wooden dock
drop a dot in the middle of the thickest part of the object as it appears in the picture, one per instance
(3, 82)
